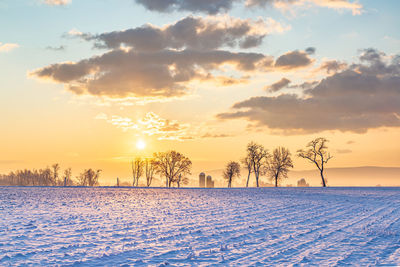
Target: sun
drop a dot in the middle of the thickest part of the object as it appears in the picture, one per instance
(140, 144)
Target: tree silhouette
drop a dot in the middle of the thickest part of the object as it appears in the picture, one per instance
(89, 177)
(149, 171)
(137, 170)
(278, 165)
(68, 177)
(181, 180)
(232, 170)
(316, 152)
(55, 168)
(258, 155)
(171, 164)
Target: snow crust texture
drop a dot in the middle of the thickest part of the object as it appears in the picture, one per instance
(199, 227)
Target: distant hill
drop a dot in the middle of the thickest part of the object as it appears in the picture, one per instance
(349, 176)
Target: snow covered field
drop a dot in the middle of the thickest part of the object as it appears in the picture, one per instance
(117, 226)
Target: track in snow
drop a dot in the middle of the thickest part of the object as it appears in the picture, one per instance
(265, 226)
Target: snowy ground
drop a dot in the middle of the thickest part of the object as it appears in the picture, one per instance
(117, 226)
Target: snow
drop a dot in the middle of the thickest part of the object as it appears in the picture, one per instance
(264, 226)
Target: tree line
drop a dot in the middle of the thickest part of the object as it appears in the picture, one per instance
(50, 176)
(172, 165)
(175, 167)
(276, 165)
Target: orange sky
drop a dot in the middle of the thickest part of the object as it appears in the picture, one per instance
(83, 92)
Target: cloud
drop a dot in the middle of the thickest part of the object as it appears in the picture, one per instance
(7, 47)
(189, 33)
(278, 85)
(310, 50)
(191, 49)
(354, 6)
(206, 6)
(332, 66)
(293, 60)
(365, 95)
(120, 73)
(162, 129)
(151, 125)
(57, 2)
(210, 135)
(221, 6)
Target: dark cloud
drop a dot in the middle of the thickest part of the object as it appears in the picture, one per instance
(293, 60)
(221, 6)
(121, 73)
(332, 66)
(152, 61)
(310, 50)
(206, 6)
(282, 83)
(365, 95)
(189, 33)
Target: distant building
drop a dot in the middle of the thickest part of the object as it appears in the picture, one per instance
(205, 181)
(202, 179)
(302, 183)
(210, 182)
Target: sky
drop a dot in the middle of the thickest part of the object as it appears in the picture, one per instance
(83, 81)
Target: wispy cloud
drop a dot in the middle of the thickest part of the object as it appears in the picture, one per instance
(56, 48)
(151, 125)
(162, 129)
(57, 2)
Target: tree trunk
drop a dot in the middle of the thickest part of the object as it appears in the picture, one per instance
(248, 178)
(166, 181)
(323, 179)
(257, 180)
(276, 180)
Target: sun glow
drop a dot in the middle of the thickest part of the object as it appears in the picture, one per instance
(140, 144)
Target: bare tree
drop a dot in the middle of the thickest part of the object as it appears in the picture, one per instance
(171, 164)
(278, 165)
(55, 169)
(89, 177)
(181, 180)
(232, 170)
(258, 155)
(137, 170)
(248, 163)
(68, 177)
(316, 152)
(149, 169)
(46, 176)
